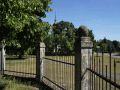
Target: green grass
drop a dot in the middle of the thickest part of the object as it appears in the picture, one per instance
(8, 84)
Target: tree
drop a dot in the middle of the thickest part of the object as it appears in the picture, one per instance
(91, 35)
(16, 14)
(108, 45)
(116, 45)
(21, 20)
(64, 35)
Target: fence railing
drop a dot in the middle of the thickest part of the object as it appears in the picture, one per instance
(86, 70)
(58, 72)
(104, 72)
(22, 67)
(12, 64)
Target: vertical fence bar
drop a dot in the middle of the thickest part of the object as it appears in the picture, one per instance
(73, 74)
(106, 76)
(90, 72)
(114, 73)
(92, 69)
(97, 58)
(70, 72)
(102, 68)
(110, 68)
(99, 72)
(64, 57)
(55, 68)
(94, 74)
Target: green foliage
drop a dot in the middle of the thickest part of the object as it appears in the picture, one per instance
(21, 23)
(17, 15)
(108, 45)
(116, 45)
(64, 33)
(91, 35)
(62, 36)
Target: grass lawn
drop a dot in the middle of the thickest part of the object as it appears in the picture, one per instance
(8, 84)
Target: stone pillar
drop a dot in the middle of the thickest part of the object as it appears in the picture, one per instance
(40, 53)
(2, 59)
(86, 56)
(83, 55)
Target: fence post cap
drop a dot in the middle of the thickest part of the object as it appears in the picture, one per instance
(83, 31)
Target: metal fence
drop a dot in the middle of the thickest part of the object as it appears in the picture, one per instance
(58, 71)
(22, 66)
(104, 72)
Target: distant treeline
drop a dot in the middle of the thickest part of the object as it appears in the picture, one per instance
(107, 45)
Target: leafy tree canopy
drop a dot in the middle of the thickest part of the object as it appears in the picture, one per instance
(21, 23)
(18, 15)
(63, 36)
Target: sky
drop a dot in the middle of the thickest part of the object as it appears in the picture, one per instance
(101, 16)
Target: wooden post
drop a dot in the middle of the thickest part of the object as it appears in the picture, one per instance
(2, 59)
(40, 53)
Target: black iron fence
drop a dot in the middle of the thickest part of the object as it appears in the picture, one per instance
(58, 71)
(19, 65)
(104, 72)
